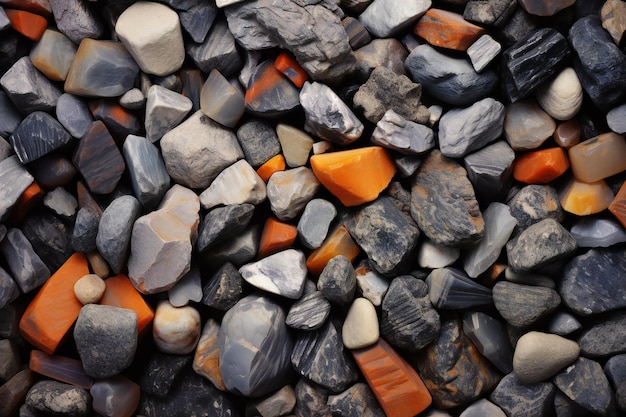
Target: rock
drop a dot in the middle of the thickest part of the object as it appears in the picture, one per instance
(237, 184)
(462, 131)
(52, 171)
(106, 339)
(549, 8)
(433, 256)
(259, 141)
(195, 163)
(441, 182)
(74, 115)
(50, 237)
(562, 96)
(584, 198)
(115, 395)
(490, 169)
(10, 360)
(395, 132)
(310, 399)
(165, 109)
(526, 126)
(206, 358)
(615, 372)
(9, 290)
(223, 222)
(592, 151)
(38, 134)
(189, 288)
(89, 289)
(15, 390)
(76, 20)
(167, 233)
(58, 398)
(337, 282)
(238, 250)
(522, 305)
(27, 268)
(327, 116)
(445, 29)
(563, 324)
(255, 347)
(360, 328)
(384, 18)
(289, 191)
(28, 89)
(14, 179)
(114, 231)
(161, 371)
(592, 283)
(315, 221)
(282, 273)
(359, 36)
(534, 203)
(269, 92)
(616, 119)
(218, 51)
(309, 312)
(133, 99)
(85, 230)
(358, 400)
(605, 337)
(597, 232)
(387, 52)
(228, 110)
(11, 117)
(282, 402)
(295, 145)
(371, 284)
(491, 338)
(483, 408)
(516, 398)
(451, 80)
(483, 51)
(176, 329)
(408, 321)
(539, 356)
(451, 289)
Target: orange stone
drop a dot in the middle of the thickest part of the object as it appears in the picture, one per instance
(31, 196)
(274, 164)
(541, 167)
(120, 292)
(354, 176)
(276, 236)
(28, 24)
(582, 198)
(447, 30)
(55, 308)
(396, 385)
(339, 242)
(618, 205)
(40, 7)
(287, 64)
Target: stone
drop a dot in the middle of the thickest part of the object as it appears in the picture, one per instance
(269, 92)
(223, 222)
(370, 284)
(238, 250)
(85, 230)
(117, 119)
(320, 357)
(539, 356)
(540, 245)
(259, 141)
(282, 402)
(616, 118)
(605, 337)
(449, 79)
(176, 329)
(490, 12)
(196, 162)
(358, 400)
(165, 109)
(59, 398)
(218, 51)
(327, 116)
(14, 178)
(5, 23)
(289, 191)
(462, 131)
(106, 339)
(446, 29)
(499, 224)
(431, 255)
(15, 390)
(384, 18)
(516, 398)
(451, 289)
(9, 290)
(10, 360)
(167, 233)
(583, 198)
(28, 89)
(101, 69)
(114, 231)
(489, 169)
(50, 237)
(27, 268)
(586, 156)
(255, 347)
(483, 408)
(116, 396)
(408, 321)
(359, 36)
(11, 117)
(491, 338)
(561, 96)
(282, 273)
(53, 55)
(534, 203)
(567, 134)
(549, 8)
(133, 99)
(310, 399)
(585, 383)
(229, 109)
(483, 51)
(148, 175)
(74, 115)
(162, 372)
(309, 312)
(294, 144)
(206, 358)
(337, 282)
(591, 232)
(76, 20)
(441, 182)
(563, 324)
(523, 305)
(360, 328)
(198, 19)
(612, 14)
(188, 289)
(89, 289)
(526, 125)
(395, 132)
(315, 222)
(387, 52)
(236, 184)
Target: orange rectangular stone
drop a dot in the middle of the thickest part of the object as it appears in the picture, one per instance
(120, 292)
(55, 308)
(287, 64)
(447, 30)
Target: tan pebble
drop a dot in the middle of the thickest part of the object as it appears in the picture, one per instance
(176, 329)
(89, 289)
(98, 265)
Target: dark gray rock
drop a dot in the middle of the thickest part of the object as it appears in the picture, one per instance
(9, 290)
(518, 399)
(76, 20)
(563, 323)
(29, 89)
(5, 149)
(337, 282)
(237, 250)
(356, 401)
(57, 398)
(162, 372)
(616, 119)
(14, 179)
(85, 230)
(451, 289)
(308, 313)
(270, 93)
(9, 360)
(114, 231)
(311, 400)
(38, 134)
(218, 51)
(255, 347)
(315, 221)
(386, 234)
(27, 268)
(10, 118)
(321, 357)
(197, 19)
(50, 236)
(534, 203)
(106, 339)
(259, 141)
(449, 79)
(523, 305)
(489, 12)
(395, 132)
(564, 407)
(615, 370)
(224, 288)
(74, 115)
(605, 336)
(223, 222)
(408, 320)
(61, 203)
(491, 338)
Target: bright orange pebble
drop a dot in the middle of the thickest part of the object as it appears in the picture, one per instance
(618, 205)
(276, 236)
(337, 243)
(541, 167)
(274, 164)
(40, 7)
(120, 292)
(447, 30)
(287, 64)
(28, 24)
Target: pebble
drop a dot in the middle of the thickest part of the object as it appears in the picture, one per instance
(289, 191)
(371, 284)
(188, 289)
(85, 230)
(360, 327)
(9, 291)
(161, 371)
(282, 273)
(309, 312)
(218, 51)
(197, 19)
(358, 400)
(207, 357)
(133, 99)
(176, 329)
(58, 398)
(585, 156)
(433, 256)
(116, 396)
(310, 399)
(270, 92)
(89, 289)
(50, 237)
(53, 55)
(165, 109)
(11, 117)
(490, 13)
(384, 18)
(236, 184)
(483, 408)
(523, 305)
(539, 356)
(27, 268)
(395, 132)
(526, 125)
(76, 20)
(387, 52)
(15, 178)
(337, 282)
(516, 398)
(451, 289)
(74, 115)
(612, 14)
(483, 51)
(282, 402)
(15, 391)
(10, 356)
(115, 230)
(295, 145)
(597, 232)
(359, 36)
(534, 203)
(491, 338)
(222, 222)
(605, 337)
(28, 89)
(315, 222)
(228, 110)
(489, 169)
(562, 96)
(259, 141)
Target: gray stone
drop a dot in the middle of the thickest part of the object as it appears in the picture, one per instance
(605, 336)
(593, 232)
(483, 51)
(615, 370)
(85, 230)
(616, 119)
(315, 221)
(491, 338)
(77, 20)
(534, 203)
(198, 19)
(133, 99)
(311, 399)
(223, 222)
(106, 339)
(539, 356)
(519, 399)
(407, 165)
(238, 250)
(309, 312)
(526, 125)
(483, 408)
(433, 256)
(27, 268)
(395, 132)
(489, 12)
(356, 401)
(451, 80)
(5, 149)
(259, 141)
(562, 323)
(9, 290)
(11, 118)
(165, 109)
(255, 347)
(217, 51)
(236, 184)
(14, 179)
(5, 23)
(387, 52)
(282, 273)
(38, 134)
(289, 191)
(490, 169)
(58, 398)
(371, 284)
(337, 282)
(10, 356)
(114, 231)
(523, 305)
(451, 289)
(462, 131)
(74, 115)
(385, 18)
(29, 89)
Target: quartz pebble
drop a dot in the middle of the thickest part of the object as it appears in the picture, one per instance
(282, 273)
(562, 96)
(176, 329)
(89, 289)
(236, 184)
(360, 328)
(586, 156)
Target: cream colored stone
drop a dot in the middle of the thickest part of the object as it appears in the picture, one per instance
(562, 96)
(176, 329)
(526, 125)
(360, 329)
(89, 289)
(98, 264)
(539, 356)
(237, 184)
(296, 145)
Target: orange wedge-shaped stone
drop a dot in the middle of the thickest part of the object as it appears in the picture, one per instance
(583, 199)
(274, 164)
(120, 292)
(447, 30)
(618, 205)
(55, 308)
(31, 196)
(276, 236)
(28, 24)
(287, 64)
(355, 176)
(396, 385)
(541, 167)
(339, 242)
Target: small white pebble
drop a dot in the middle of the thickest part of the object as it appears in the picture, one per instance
(89, 289)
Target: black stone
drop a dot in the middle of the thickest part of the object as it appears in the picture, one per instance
(490, 169)
(8, 288)
(27, 268)
(50, 236)
(58, 398)
(451, 289)
(108, 112)
(606, 336)
(564, 407)
(615, 370)
(309, 312)
(223, 222)
(258, 141)
(224, 288)
(523, 305)
(38, 134)
(518, 399)
(162, 372)
(198, 19)
(85, 230)
(356, 401)
(311, 400)
(238, 250)
(10, 118)
(338, 281)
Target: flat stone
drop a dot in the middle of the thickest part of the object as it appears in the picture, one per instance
(218, 51)
(223, 222)
(483, 51)
(77, 20)
(74, 115)
(270, 93)
(387, 52)
(433, 256)
(337, 282)
(11, 117)
(28, 89)
(259, 141)
(563, 324)
(395, 132)
(315, 221)
(289, 191)
(490, 12)
(85, 230)
(165, 109)
(605, 337)
(176, 329)
(384, 18)
(237, 184)
(592, 232)
(360, 328)
(114, 231)
(27, 268)
(228, 109)
(53, 55)
(534, 203)
(539, 356)
(14, 179)
(50, 236)
(358, 400)
(309, 312)
(294, 144)
(161, 372)
(526, 125)
(490, 168)
(522, 305)
(59, 398)
(491, 338)
(451, 289)
(516, 398)
(561, 96)
(282, 273)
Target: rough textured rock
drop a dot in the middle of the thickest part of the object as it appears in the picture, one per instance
(28, 89)
(76, 20)
(237, 184)
(59, 398)
(522, 305)
(395, 132)
(358, 400)
(161, 371)
(384, 18)
(37, 135)
(338, 280)
(27, 268)
(282, 273)
(519, 399)
(309, 312)
(605, 337)
(289, 191)
(534, 203)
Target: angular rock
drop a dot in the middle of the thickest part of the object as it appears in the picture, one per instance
(14, 179)
(384, 18)
(9, 290)
(77, 20)
(592, 232)
(359, 36)
(223, 222)
(221, 101)
(282, 273)
(548, 8)
(282, 402)
(310, 399)
(387, 52)
(237, 184)
(358, 400)
(11, 117)
(53, 55)
(74, 115)
(315, 221)
(198, 19)
(309, 312)
(450, 289)
(490, 169)
(522, 305)
(491, 338)
(539, 356)
(562, 96)
(518, 399)
(206, 358)
(118, 120)
(269, 92)
(605, 337)
(85, 230)
(259, 142)
(446, 29)
(28, 89)
(58, 398)
(371, 284)
(526, 125)
(534, 203)
(50, 237)
(295, 145)
(289, 191)
(238, 250)
(600, 150)
(114, 231)
(395, 132)
(161, 372)
(27, 268)
(218, 51)
(337, 282)
(433, 256)
(165, 109)
(483, 51)
(133, 99)
(176, 329)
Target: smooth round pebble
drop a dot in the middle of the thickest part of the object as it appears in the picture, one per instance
(360, 329)
(539, 356)
(89, 289)
(176, 329)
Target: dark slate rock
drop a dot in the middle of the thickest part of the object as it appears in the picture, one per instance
(615, 118)
(452, 368)
(218, 51)
(9, 360)
(29, 89)
(14, 179)
(50, 236)
(585, 383)
(223, 222)
(321, 357)
(27, 268)
(598, 62)
(85, 230)
(595, 282)
(531, 61)
(386, 234)
(441, 182)
(106, 339)
(337, 282)
(162, 372)
(8, 288)
(311, 400)
(237, 250)
(315, 221)
(449, 79)
(269, 92)
(408, 319)
(148, 174)
(58, 398)
(615, 370)
(255, 347)
(523, 305)
(489, 12)
(38, 134)
(562, 323)
(5, 149)
(490, 169)
(114, 231)
(224, 288)
(119, 121)
(518, 399)
(604, 337)
(52, 170)
(77, 20)
(564, 407)
(534, 203)
(491, 338)
(309, 312)
(9, 321)
(356, 401)
(259, 142)
(74, 115)
(451, 289)
(10, 118)
(198, 19)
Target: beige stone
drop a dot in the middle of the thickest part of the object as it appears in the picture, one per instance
(296, 145)
(89, 289)
(562, 96)
(539, 356)
(176, 329)
(360, 329)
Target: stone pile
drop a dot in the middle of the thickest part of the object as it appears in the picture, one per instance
(349, 208)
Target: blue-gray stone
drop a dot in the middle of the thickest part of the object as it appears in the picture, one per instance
(8, 288)
(74, 115)
(451, 289)
(5, 149)
(615, 370)
(37, 135)
(255, 347)
(519, 399)
(10, 118)
(77, 20)
(604, 337)
(27, 268)
(85, 230)
(29, 89)
(522, 305)
(315, 221)
(223, 222)
(197, 19)
(615, 118)
(562, 323)
(593, 232)
(309, 312)
(14, 179)
(259, 141)
(218, 51)
(491, 338)
(490, 169)
(338, 281)
(114, 231)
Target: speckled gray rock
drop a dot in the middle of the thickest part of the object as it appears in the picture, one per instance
(77, 20)
(224, 288)
(309, 312)
(616, 119)
(522, 305)
(161, 371)
(14, 179)
(337, 282)
(255, 347)
(258, 141)
(519, 399)
(217, 51)
(165, 109)
(223, 222)
(539, 356)
(37, 135)
(289, 191)
(282, 273)
(58, 398)
(534, 203)
(74, 115)
(315, 221)
(85, 230)
(29, 89)
(606, 336)
(490, 12)
(395, 132)
(106, 339)
(356, 401)
(114, 231)
(490, 169)
(385, 18)
(27, 268)
(311, 399)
